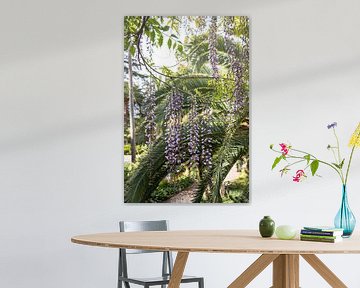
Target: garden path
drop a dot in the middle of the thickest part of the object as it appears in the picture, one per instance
(185, 196)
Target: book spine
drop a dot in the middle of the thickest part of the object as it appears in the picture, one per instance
(317, 239)
(318, 236)
(320, 233)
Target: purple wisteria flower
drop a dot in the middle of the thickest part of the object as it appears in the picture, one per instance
(213, 57)
(235, 64)
(150, 126)
(332, 125)
(173, 130)
(206, 140)
(194, 132)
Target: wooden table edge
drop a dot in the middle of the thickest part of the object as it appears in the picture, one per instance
(203, 250)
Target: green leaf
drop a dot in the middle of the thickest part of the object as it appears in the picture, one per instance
(160, 40)
(166, 28)
(271, 146)
(276, 162)
(147, 32)
(153, 21)
(336, 165)
(342, 163)
(180, 48)
(314, 166)
(126, 44)
(152, 36)
(169, 43)
(307, 157)
(132, 50)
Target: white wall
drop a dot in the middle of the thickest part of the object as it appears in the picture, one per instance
(61, 133)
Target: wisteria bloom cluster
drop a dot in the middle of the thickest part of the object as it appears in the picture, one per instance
(295, 157)
(235, 63)
(194, 133)
(150, 105)
(206, 140)
(199, 133)
(213, 57)
(173, 129)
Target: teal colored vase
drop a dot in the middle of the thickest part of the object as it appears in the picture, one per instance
(345, 219)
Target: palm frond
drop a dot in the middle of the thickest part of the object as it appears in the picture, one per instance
(234, 146)
(147, 176)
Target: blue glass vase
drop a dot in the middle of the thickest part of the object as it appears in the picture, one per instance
(345, 219)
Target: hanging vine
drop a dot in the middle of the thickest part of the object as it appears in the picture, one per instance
(235, 63)
(213, 57)
(173, 130)
(150, 105)
(206, 140)
(194, 143)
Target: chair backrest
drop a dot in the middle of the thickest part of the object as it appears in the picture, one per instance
(134, 226)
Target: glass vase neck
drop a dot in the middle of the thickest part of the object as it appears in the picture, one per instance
(345, 219)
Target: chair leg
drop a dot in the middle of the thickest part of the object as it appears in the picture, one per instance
(201, 283)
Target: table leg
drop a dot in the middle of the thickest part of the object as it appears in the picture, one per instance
(253, 270)
(324, 271)
(286, 271)
(178, 270)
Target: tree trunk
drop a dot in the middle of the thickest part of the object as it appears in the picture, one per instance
(132, 114)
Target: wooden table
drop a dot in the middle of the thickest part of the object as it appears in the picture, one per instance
(284, 254)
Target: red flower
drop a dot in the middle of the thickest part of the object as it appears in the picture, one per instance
(284, 148)
(299, 175)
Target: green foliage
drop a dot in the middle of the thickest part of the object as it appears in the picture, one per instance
(148, 174)
(314, 166)
(237, 191)
(127, 149)
(128, 170)
(167, 189)
(232, 146)
(153, 28)
(294, 156)
(140, 149)
(230, 134)
(276, 162)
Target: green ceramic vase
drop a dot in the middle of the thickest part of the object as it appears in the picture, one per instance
(266, 227)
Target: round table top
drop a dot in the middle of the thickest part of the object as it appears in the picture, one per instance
(220, 241)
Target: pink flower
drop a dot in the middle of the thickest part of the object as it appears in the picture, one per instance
(284, 148)
(300, 174)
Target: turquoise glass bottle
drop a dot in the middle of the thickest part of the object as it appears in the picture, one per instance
(345, 219)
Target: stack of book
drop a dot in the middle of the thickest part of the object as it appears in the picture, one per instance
(321, 234)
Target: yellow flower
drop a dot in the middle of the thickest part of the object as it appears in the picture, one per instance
(355, 137)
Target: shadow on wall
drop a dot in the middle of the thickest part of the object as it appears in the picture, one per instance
(308, 75)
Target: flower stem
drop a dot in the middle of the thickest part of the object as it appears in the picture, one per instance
(304, 152)
(312, 159)
(320, 161)
(348, 167)
(350, 159)
(296, 162)
(338, 146)
(339, 156)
